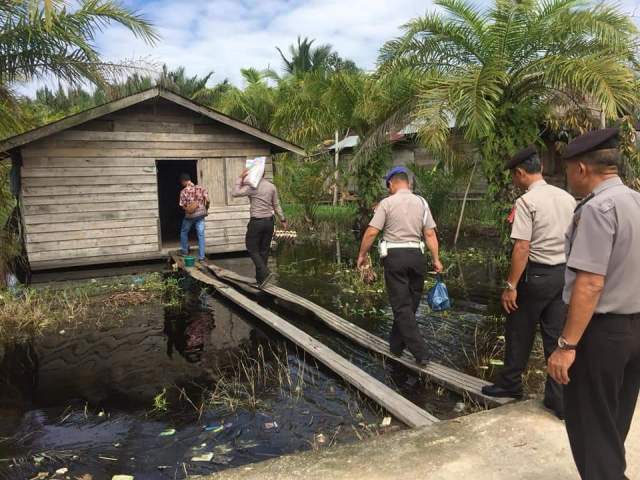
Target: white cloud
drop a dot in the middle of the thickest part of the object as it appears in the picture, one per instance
(226, 35)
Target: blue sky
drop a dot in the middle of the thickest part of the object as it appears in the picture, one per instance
(226, 35)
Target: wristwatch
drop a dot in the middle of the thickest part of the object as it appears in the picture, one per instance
(508, 285)
(564, 345)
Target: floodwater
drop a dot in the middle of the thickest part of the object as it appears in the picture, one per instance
(204, 387)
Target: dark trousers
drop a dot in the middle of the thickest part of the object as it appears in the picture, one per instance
(539, 302)
(258, 241)
(601, 396)
(404, 270)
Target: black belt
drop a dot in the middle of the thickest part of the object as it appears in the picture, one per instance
(617, 316)
(262, 218)
(544, 266)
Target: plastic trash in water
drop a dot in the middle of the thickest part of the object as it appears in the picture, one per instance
(386, 421)
(205, 457)
(122, 477)
(438, 296)
(168, 432)
(138, 280)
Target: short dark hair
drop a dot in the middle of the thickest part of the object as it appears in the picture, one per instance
(185, 177)
(399, 176)
(531, 164)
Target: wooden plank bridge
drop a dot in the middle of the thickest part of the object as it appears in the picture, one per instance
(461, 383)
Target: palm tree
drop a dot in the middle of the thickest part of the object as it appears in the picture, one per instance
(255, 104)
(497, 73)
(48, 40)
(304, 57)
(52, 40)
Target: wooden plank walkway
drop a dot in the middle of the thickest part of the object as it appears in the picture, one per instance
(461, 383)
(396, 404)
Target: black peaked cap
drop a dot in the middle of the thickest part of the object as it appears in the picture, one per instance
(591, 141)
(520, 157)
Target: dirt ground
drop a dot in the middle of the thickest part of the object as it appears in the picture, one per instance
(519, 441)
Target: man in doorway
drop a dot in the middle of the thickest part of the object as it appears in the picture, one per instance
(264, 203)
(404, 218)
(194, 200)
(598, 354)
(533, 290)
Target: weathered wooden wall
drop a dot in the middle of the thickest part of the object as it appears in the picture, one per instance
(90, 196)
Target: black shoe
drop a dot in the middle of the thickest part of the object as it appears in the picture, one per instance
(557, 411)
(266, 280)
(499, 392)
(422, 362)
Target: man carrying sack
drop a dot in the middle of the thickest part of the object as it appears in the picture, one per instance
(405, 218)
(264, 203)
(194, 200)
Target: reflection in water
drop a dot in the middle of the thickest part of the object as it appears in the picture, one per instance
(86, 397)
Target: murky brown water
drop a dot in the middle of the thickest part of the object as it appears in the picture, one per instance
(84, 400)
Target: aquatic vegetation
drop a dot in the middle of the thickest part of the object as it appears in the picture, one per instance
(160, 402)
(30, 312)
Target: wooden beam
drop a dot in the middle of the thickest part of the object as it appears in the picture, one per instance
(77, 119)
(395, 403)
(447, 377)
(243, 127)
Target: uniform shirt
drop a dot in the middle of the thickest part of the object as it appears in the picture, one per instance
(542, 217)
(402, 217)
(194, 193)
(604, 238)
(263, 199)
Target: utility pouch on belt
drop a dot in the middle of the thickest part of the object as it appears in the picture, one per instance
(382, 249)
(422, 245)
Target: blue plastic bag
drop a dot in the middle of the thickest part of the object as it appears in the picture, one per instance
(438, 296)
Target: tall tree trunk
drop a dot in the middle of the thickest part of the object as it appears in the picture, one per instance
(464, 201)
(336, 173)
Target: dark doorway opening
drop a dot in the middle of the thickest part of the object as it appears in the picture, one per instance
(171, 214)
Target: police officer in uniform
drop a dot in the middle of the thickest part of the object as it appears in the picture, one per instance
(533, 289)
(404, 218)
(598, 354)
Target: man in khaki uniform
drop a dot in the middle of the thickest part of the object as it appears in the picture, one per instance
(404, 218)
(598, 354)
(533, 289)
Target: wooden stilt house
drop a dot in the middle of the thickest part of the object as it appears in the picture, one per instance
(102, 186)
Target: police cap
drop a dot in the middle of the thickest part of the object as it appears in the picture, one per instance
(604, 139)
(520, 157)
(395, 171)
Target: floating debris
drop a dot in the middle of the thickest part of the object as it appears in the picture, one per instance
(386, 421)
(222, 459)
(246, 444)
(40, 476)
(38, 459)
(205, 457)
(223, 449)
(62, 471)
(168, 432)
(213, 428)
(122, 477)
(86, 476)
(271, 425)
(459, 407)
(321, 439)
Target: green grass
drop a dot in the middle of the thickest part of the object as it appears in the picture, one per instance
(340, 216)
(29, 312)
